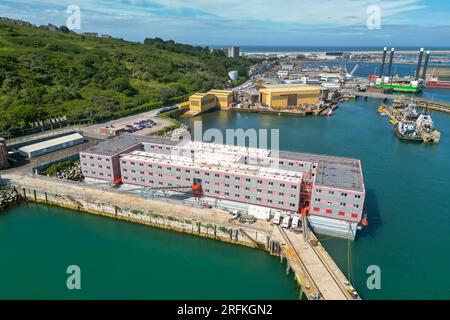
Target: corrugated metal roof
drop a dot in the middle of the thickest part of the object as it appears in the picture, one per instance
(50, 143)
(220, 92)
(198, 95)
(288, 88)
(334, 172)
(125, 141)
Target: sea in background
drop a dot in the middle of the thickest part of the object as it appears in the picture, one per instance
(407, 204)
(293, 49)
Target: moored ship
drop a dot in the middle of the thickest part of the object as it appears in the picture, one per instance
(425, 122)
(437, 84)
(413, 84)
(402, 86)
(407, 130)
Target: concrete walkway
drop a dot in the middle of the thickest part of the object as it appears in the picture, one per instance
(316, 271)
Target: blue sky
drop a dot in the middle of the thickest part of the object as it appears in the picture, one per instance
(251, 22)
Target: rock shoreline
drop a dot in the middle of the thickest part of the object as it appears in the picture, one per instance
(73, 173)
(9, 196)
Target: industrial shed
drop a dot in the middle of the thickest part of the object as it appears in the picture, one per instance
(277, 96)
(38, 149)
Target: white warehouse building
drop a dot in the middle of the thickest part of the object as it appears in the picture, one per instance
(41, 148)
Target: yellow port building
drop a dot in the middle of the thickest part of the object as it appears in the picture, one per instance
(202, 102)
(224, 97)
(278, 96)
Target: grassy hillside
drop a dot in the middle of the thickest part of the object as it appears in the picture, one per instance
(45, 73)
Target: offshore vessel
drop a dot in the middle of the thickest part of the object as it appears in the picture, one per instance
(410, 124)
(438, 84)
(397, 84)
(407, 130)
(402, 86)
(425, 122)
(434, 82)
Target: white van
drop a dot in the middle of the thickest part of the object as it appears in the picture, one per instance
(277, 217)
(286, 222)
(295, 222)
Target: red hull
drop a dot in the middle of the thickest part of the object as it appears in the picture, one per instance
(438, 84)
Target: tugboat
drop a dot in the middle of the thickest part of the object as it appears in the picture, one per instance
(425, 122)
(407, 130)
(425, 127)
(411, 111)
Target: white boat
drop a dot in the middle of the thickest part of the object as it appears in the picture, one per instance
(406, 127)
(425, 122)
(411, 110)
(407, 130)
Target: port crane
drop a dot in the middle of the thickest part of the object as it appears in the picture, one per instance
(349, 75)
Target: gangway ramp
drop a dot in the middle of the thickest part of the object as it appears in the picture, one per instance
(316, 274)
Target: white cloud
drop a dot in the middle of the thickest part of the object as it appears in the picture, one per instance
(342, 12)
(312, 12)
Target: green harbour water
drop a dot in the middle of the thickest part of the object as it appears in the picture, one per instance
(408, 193)
(121, 260)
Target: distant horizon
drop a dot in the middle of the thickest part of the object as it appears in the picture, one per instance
(311, 47)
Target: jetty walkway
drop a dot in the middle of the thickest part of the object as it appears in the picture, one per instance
(318, 275)
(421, 102)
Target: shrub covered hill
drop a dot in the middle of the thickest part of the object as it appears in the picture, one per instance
(47, 73)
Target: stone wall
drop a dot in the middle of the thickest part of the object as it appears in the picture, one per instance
(242, 235)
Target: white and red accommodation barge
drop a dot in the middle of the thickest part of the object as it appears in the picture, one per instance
(330, 190)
